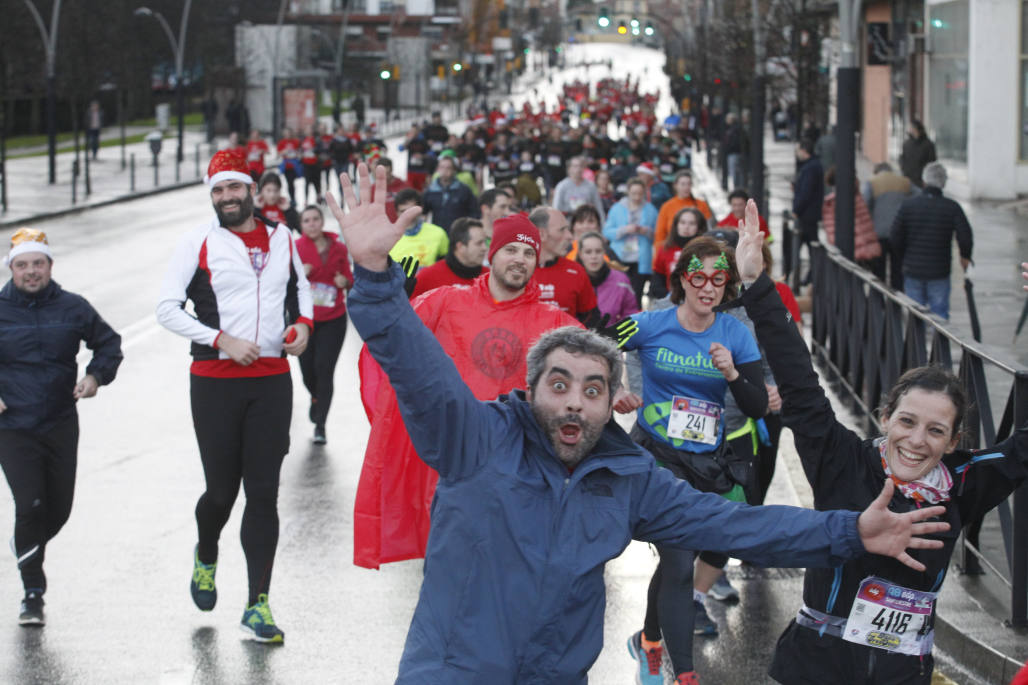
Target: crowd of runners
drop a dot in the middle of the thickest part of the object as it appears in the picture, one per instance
(527, 279)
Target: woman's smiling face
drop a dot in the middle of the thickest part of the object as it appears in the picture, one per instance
(919, 432)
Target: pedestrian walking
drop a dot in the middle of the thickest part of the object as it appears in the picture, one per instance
(94, 123)
(41, 328)
(288, 148)
(310, 157)
(246, 281)
(918, 152)
(883, 193)
(542, 479)
(327, 266)
(922, 236)
(808, 195)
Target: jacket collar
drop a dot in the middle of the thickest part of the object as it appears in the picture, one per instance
(932, 190)
(9, 292)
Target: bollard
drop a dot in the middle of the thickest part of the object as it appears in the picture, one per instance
(156, 167)
(89, 187)
(74, 180)
(198, 160)
(178, 164)
(132, 172)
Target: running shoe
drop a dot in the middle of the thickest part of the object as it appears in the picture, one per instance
(201, 587)
(723, 591)
(258, 623)
(32, 609)
(650, 660)
(704, 624)
(319, 435)
(689, 678)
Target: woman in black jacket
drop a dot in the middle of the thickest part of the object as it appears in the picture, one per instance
(871, 620)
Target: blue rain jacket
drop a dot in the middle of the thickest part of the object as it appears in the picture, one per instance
(513, 588)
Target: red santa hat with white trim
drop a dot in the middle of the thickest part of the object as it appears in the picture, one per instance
(227, 165)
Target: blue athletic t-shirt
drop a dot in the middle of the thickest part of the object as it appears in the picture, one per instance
(677, 362)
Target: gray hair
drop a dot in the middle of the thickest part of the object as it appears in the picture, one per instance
(934, 174)
(575, 341)
(540, 217)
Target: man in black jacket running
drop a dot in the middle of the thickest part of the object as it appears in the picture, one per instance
(41, 326)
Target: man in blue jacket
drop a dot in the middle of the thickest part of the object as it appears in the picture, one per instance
(41, 326)
(539, 489)
(808, 194)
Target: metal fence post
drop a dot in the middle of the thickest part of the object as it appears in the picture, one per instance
(1019, 570)
(132, 172)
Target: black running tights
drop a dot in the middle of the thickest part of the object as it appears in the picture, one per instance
(318, 365)
(242, 428)
(669, 606)
(40, 468)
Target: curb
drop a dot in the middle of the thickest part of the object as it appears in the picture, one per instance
(43, 216)
(981, 659)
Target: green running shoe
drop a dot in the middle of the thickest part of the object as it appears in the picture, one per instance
(205, 595)
(258, 623)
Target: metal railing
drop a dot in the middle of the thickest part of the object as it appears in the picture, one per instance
(865, 336)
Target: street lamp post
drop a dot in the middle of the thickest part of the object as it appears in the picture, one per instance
(50, 45)
(177, 49)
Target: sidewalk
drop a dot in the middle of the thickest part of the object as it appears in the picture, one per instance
(970, 628)
(31, 198)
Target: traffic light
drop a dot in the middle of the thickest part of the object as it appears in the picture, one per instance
(385, 73)
(396, 72)
(457, 66)
(635, 23)
(604, 18)
(649, 29)
(622, 29)
(687, 77)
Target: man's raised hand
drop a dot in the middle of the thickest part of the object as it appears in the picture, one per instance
(748, 256)
(890, 534)
(367, 231)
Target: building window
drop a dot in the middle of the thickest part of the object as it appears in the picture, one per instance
(948, 28)
(1024, 81)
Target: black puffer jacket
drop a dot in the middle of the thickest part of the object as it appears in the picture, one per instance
(39, 339)
(922, 234)
(845, 472)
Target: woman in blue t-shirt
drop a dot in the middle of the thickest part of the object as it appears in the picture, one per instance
(690, 356)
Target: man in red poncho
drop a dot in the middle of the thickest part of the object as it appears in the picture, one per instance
(486, 328)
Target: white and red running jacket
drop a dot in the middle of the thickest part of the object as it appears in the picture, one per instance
(212, 268)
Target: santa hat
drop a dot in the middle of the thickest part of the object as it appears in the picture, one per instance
(515, 228)
(646, 168)
(28, 240)
(227, 165)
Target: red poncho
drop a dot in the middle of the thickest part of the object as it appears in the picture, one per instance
(487, 341)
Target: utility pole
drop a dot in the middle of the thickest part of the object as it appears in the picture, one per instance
(757, 107)
(50, 46)
(845, 137)
(177, 50)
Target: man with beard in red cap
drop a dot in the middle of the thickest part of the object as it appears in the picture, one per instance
(486, 329)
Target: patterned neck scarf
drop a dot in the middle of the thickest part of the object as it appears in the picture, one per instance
(931, 489)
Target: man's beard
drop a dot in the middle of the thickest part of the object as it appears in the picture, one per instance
(569, 455)
(509, 283)
(235, 218)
